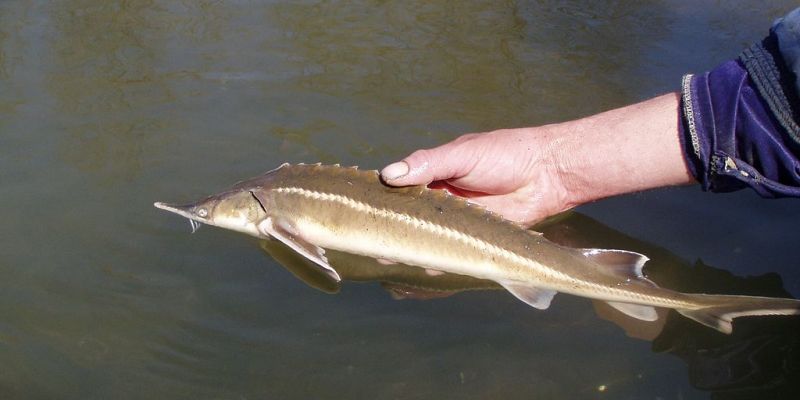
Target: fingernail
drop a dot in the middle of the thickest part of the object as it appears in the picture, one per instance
(394, 171)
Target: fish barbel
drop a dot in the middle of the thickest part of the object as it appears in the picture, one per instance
(315, 207)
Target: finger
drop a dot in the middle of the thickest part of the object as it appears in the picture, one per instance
(425, 166)
(455, 190)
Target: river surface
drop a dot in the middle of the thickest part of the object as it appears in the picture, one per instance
(108, 106)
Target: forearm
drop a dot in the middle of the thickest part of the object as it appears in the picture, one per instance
(736, 127)
(620, 151)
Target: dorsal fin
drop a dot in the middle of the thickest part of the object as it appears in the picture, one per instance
(627, 265)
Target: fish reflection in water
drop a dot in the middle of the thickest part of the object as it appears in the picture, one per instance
(760, 359)
(401, 281)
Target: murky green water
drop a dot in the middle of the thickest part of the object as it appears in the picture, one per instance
(108, 106)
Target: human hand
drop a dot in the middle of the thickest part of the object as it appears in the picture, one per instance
(511, 172)
(528, 174)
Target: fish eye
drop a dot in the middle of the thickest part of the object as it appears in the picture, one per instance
(202, 212)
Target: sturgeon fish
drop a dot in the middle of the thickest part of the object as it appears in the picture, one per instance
(313, 207)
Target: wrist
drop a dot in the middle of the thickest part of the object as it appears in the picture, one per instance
(620, 151)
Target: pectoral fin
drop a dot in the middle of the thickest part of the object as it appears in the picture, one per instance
(533, 296)
(285, 232)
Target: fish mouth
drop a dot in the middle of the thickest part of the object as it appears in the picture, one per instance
(184, 211)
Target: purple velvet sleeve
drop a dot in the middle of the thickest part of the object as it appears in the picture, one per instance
(739, 124)
(732, 140)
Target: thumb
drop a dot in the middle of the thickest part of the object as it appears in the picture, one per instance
(420, 168)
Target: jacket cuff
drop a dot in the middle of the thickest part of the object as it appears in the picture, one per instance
(731, 137)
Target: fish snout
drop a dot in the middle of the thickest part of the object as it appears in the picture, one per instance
(187, 210)
(195, 212)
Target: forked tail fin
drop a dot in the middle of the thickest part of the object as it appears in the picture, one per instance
(722, 309)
